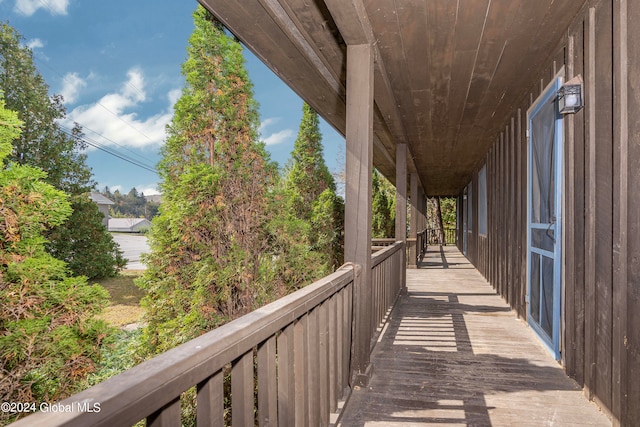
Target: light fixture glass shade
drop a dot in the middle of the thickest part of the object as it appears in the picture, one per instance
(570, 96)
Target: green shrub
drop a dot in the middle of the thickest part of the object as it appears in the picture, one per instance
(49, 338)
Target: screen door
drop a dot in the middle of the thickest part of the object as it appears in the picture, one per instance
(544, 218)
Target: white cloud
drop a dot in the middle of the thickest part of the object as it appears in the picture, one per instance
(279, 137)
(268, 122)
(111, 116)
(276, 137)
(134, 87)
(35, 44)
(71, 87)
(173, 97)
(148, 190)
(29, 7)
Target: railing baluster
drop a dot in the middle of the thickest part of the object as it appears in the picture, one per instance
(333, 352)
(340, 343)
(323, 362)
(210, 409)
(267, 383)
(379, 285)
(300, 370)
(242, 391)
(286, 377)
(167, 416)
(381, 301)
(312, 365)
(347, 335)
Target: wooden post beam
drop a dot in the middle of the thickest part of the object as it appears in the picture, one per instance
(413, 222)
(359, 163)
(401, 207)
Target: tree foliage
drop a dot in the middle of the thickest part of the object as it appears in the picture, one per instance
(45, 145)
(131, 205)
(448, 209)
(311, 198)
(86, 246)
(307, 175)
(210, 258)
(383, 207)
(48, 336)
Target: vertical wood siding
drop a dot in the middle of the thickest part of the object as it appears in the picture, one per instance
(601, 261)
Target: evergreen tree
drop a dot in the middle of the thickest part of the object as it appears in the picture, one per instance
(88, 250)
(48, 336)
(209, 259)
(43, 143)
(131, 205)
(307, 176)
(58, 152)
(311, 192)
(383, 207)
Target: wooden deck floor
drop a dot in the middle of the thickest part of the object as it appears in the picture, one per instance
(454, 354)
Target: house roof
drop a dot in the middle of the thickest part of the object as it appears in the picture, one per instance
(127, 222)
(100, 199)
(448, 74)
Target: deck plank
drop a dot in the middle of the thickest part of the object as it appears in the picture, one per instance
(454, 353)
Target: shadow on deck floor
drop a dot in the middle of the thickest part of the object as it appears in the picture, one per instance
(453, 353)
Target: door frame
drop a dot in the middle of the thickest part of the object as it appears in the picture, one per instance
(549, 94)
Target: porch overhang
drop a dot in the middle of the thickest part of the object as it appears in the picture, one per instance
(447, 73)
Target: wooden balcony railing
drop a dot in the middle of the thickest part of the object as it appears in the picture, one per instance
(289, 363)
(386, 279)
(378, 244)
(436, 236)
(421, 245)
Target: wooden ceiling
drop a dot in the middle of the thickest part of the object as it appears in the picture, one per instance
(448, 73)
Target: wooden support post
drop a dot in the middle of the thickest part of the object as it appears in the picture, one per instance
(626, 298)
(359, 162)
(443, 238)
(423, 211)
(401, 208)
(413, 226)
(422, 221)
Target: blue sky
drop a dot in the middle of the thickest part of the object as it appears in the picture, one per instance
(117, 64)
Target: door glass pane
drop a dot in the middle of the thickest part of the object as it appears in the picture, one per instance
(547, 296)
(535, 287)
(542, 171)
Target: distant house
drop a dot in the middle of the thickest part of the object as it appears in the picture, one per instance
(128, 225)
(103, 206)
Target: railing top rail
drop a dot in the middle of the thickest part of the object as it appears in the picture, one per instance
(385, 253)
(142, 390)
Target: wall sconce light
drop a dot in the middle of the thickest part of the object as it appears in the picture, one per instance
(570, 96)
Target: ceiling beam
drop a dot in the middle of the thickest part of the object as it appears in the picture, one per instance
(283, 47)
(289, 27)
(352, 20)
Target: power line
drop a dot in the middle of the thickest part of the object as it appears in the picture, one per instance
(47, 6)
(108, 150)
(113, 142)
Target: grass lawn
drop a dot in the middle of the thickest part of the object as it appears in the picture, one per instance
(124, 308)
